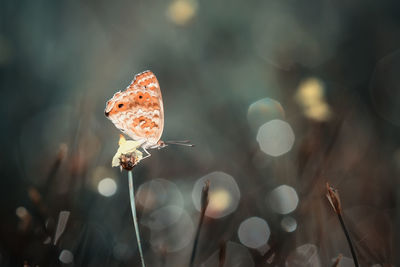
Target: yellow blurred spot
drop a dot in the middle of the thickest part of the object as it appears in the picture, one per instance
(310, 91)
(219, 201)
(310, 96)
(318, 112)
(181, 12)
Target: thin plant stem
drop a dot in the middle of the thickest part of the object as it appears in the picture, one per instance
(196, 240)
(204, 204)
(346, 233)
(133, 208)
(334, 199)
(222, 254)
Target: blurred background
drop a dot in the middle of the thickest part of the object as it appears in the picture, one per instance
(279, 97)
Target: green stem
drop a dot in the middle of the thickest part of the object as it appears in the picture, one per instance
(133, 207)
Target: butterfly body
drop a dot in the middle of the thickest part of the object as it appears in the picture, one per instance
(138, 111)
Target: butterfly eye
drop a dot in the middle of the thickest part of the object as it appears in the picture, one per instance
(120, 105)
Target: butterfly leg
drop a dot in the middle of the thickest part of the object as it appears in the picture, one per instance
(147, 153)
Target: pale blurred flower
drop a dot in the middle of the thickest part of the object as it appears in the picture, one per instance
(128, 155)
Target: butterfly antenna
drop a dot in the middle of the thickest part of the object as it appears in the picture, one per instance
(180, 143)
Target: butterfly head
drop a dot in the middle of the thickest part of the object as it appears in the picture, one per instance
(161, 144)
(117, 104)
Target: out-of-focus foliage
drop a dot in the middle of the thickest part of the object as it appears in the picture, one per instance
(323, 74)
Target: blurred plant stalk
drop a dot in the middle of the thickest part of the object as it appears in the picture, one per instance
(337, 261)
(222, 254)
(204, 203)
(334, 199)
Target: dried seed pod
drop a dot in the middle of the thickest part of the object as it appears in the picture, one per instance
(334, 199)
(128, 161)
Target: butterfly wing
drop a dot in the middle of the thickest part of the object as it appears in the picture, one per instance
(148, 106)
(138, 111)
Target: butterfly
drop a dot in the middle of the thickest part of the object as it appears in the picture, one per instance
(139, 112)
